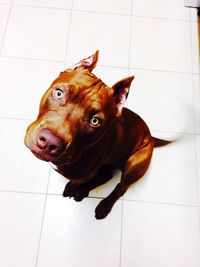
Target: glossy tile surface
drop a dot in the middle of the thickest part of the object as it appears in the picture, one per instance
(171, 9)
(160, 235)
(38, 39)
(166, 45)
(21, 218)
(113, 6)
(77, 237)
(164, 100)
(4, 13)
(108, 33)
(27, 83)
(20, 170)
(46, 3)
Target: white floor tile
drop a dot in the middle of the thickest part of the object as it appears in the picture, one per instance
(46, 3)
(28, 81)
(113, 6)
(109, 33)
(4, 12)
(161, 44)
(5, 1)
(71, 235)
(198, 163)
(110, 75)
(57, 183)
(164, 100)
(43, 39)
(21, 218)
(171, 9)
(20, 170)
(196, 86)
(171, 177)
(195, 31)
(160, 235)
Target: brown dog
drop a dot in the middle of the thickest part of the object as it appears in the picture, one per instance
(83, 129)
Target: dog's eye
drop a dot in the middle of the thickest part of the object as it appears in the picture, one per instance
(95, 121)
(58, 93)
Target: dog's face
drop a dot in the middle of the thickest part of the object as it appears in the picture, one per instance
(75, 113)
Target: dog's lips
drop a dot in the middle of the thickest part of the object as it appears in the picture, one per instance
(61, 159)
(43, 156)
(38, 153)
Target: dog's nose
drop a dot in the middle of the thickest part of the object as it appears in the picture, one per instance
(50, 143)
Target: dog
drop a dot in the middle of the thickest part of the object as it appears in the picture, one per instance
(85, 131)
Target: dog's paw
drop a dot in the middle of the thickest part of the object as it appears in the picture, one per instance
(80, 194)
(69, 190)
(102, 209)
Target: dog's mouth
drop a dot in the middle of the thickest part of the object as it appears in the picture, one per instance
(42, 156)
(63, 158)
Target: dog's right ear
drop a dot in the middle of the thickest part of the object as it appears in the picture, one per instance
(86, 63)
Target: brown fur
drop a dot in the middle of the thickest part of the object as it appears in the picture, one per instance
(121, 140)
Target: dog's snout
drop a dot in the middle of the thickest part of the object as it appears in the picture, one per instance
(49, 143)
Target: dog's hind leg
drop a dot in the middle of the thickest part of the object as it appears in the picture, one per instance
(134, 168)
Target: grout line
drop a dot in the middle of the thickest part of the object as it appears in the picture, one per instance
(161, 18)
(121, 233)
(95, 197)
(143, 69)
(194, 118)
(43, 7)
(197, 178)
(130, 38)
(42, 222)
(68, 37)
(35, 59)
(104, 66)
(103, 12)
(8, 18)
(193, 88)
(129, 72)
(13, 118)
(21, 192)
(161, 70)
(163, 203)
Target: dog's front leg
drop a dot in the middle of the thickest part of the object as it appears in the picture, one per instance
(80, 191)
(134, 168)
(104, 174)
(70, 189)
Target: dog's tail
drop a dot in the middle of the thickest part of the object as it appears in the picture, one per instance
(160, 142)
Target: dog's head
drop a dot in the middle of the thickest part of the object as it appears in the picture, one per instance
(75, 113)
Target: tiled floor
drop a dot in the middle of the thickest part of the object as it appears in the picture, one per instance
(157, 222)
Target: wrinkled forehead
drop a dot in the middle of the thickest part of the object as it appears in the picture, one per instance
(82, 78)
(83, 86)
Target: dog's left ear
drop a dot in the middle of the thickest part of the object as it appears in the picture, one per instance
(87, 63)
(120, 93)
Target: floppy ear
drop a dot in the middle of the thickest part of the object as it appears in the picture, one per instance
(87, 63)
(120, 93)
